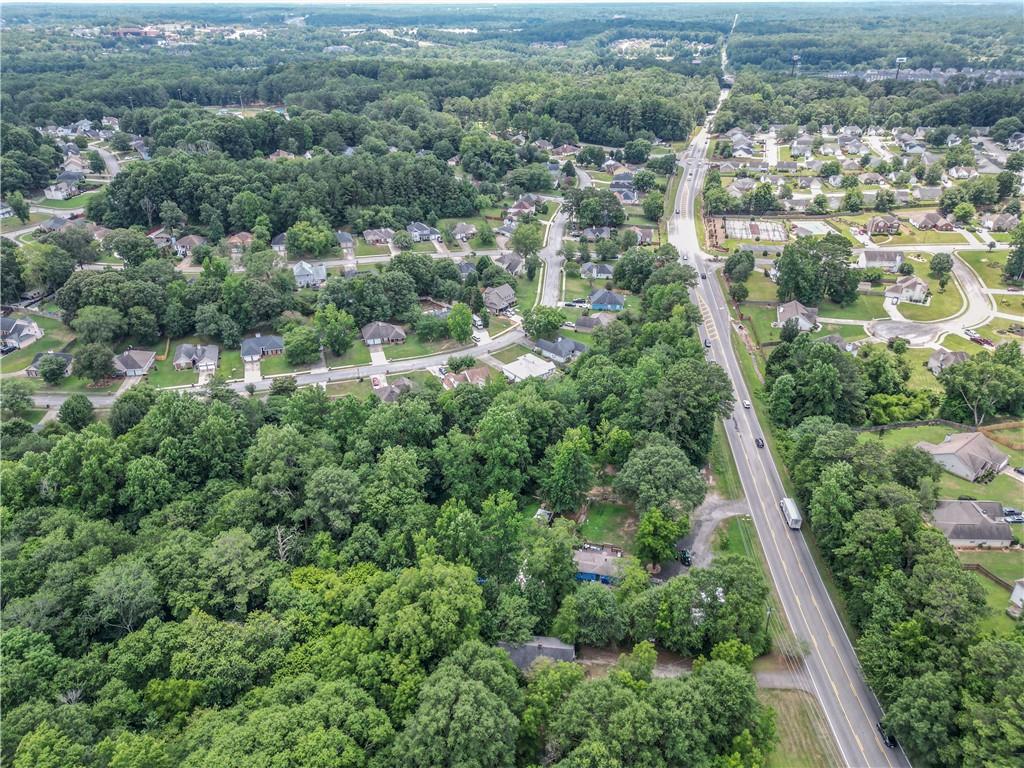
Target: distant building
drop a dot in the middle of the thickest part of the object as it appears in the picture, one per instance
(499, 298)
(887, 261)
(603, 299)
(562, 350)
(422, 233)
(377, 333)
(381, 236)
(908, 288)
(942, 358)
(200, 357)
(886, 224)
(19, 332)
(476, 377)
(33, 369)
(389, 393)
(590, 323)
(598, 563)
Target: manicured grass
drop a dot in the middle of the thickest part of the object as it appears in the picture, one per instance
(162, 374)
(231, 366)
(78, 201)
(760, 287)
(956, 343)
(527, 291)
(34, 415)
(365, 249)
(353, 387)
(997, 598)
(579, 288)
(508, 354)
(1007, 565)
(424, 247)
(608, 523)
(413, 347)
(759, 320)
(911, 235)
(358, 354)
(803, 742)
(942, 304)
(934, 434)
(920, 376)
(13, 223)
(848, 332)
(55, 336)
(864, 308)
(277, 364)
(73, 384)
(723, 465)
(988, 265)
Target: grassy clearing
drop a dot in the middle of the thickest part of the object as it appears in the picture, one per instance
(413, 347)
(988, 265)
(911, 235)
(802, 741)
(864, 308)
(356, 387)
(997, 598)
(920, 376)
(527, 292)
(358, 354)
(274, 365)
(508, 354)
(231, 366)
(1006, 565)
(13, 223)
(163, 374)
(363, 249)
(761, 288)
(78, 201)
(580, 288)
(723, 465)
(609, 523)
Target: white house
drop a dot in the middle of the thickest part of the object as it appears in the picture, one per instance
(908, 288)
(526, 367)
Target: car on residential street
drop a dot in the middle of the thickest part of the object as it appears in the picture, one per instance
(759, 442)
(746, 404)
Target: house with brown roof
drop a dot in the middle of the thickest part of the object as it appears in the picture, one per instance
(476, 377)
(885, 224)
(970, 455)
(377, 333)
(1000, 222)
(499, 298)
(590, 323)
(239, 242)
(932, 220)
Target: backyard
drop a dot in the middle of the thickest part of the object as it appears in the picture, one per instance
(609, 523)
(55, 336)
(508, 354)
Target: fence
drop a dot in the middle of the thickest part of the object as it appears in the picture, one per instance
(987, 574)
(921, 423)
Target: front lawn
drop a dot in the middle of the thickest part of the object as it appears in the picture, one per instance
(356, 387)
(427, 246)
(865, 308)
(163, 374)
(78, 201)
(273, 365)
(413, 347)
(363, 248)
(231, 365)
(55, 336)
(911, 235)
(988, 265)
(609, 523)
(508, 354)
(13, 223)
(942, 304)
(580, 288)
(526, 291)
(357, 354)
(73, 384)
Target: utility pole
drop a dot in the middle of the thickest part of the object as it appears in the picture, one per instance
(796, 60)
(899, 65)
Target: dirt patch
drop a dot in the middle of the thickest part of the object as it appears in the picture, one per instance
(597, 662)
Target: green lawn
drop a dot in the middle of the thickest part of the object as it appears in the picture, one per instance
(920, 376)
(273, 365)
(355, 387)
(508, 354)
(989, 266)
(723, 465)
(78, 201)
(864, 308)
(358, 354)
(997, 598)
(1008, 566)
(73, 384)
(608, 523)
(365, 249)
(413, 347)
(162, 374)
(231, 366)
(760, 287)
(848, 332)
(911, 235)
(579, 288)
(13, 223)
(943, 303)
(803, 742)
(426, 246)
(526, 291)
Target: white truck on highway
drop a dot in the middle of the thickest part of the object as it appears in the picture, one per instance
(792, 513)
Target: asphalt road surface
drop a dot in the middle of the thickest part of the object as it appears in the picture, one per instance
(847, 703)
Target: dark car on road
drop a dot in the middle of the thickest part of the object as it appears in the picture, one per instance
(685, 557)
(887, 738)
(759, 442)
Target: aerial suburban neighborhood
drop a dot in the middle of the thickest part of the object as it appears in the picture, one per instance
(619, 385)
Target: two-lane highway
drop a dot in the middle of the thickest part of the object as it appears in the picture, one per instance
(849, 706)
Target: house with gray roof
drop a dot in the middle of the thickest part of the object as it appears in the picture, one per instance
(133, 362)
(345, 241)
(200, 357)
(463, 231)
(594, 271)
(511, 262)
(806, 317)
(970, 455)
(538, 647)
(381, 236)
(19, 332)
(33, 369)
(377, 333)
(590, 323)
(562, 350)
(421, 232)
(255, 348)
(309, 275)
(942, 358)
(389, 393)
(888, 261)
(603, 299)
(968, 523)
(499, 298)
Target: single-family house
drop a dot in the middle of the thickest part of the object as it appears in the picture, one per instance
(465, 269)
(590, 323)
(970, 455)
(199, 357)
(33, 369)
(565, 150)
(593, 234)
(381, 236)
(623, 180)
(499, 298)
(932, 220)
(562, 350)
(839, 343)
(787, 166)
(239, 242)
(972, 523)
(422, 233)
(594, 271)
(885, 224)
(6, 211)
(603, 299)
(463, 231)
(942, 358)
(522, 207)
(377, 333)
(908, 288)
(741, 186)
(476, 376)
(279, 243)
(598, 563)
(887, 261)
(133, 362)
(806, 317)
(644, 235)
(280, 154)
(528, 366)
(19, 332)
(511, 262)
(927, 194)
(345, 242)
(1016, 607)
(961, 172)
(389, 393)
(1000, 222)
(62, 190)
(543, 144)
(183, 246)
(309, 275)
(538, 647)
(1015, 142)
(255, 348)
